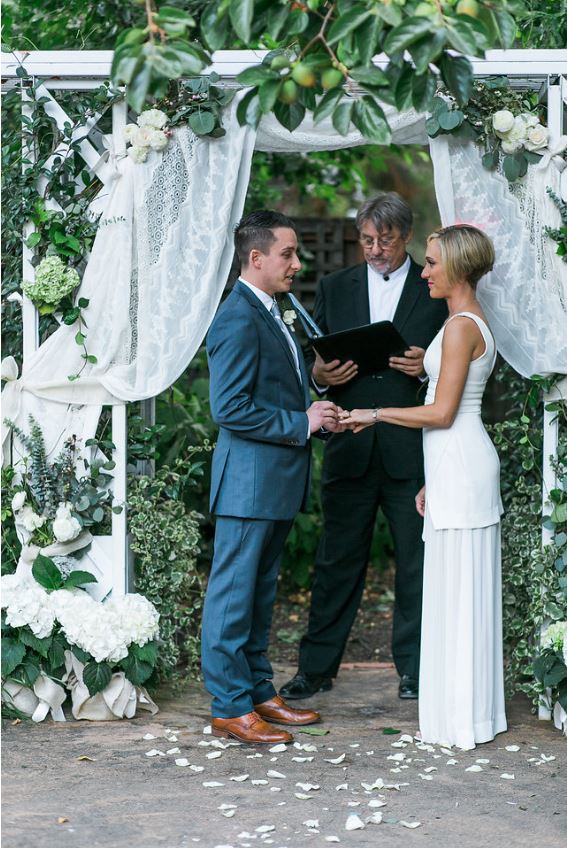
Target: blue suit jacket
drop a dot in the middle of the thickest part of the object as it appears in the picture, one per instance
(262, 458)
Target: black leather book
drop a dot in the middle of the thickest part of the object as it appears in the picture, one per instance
(369, 346)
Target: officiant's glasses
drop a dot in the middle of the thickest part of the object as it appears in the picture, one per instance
(385, 243)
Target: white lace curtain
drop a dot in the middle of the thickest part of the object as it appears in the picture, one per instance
(164, 248)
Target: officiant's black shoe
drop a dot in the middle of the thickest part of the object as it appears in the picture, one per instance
(304, 686)
(408, 688)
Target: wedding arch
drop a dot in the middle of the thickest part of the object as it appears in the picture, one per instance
(159, 263)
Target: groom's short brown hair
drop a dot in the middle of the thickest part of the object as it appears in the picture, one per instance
(255, 232)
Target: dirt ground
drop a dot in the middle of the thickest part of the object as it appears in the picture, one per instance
(83, 784)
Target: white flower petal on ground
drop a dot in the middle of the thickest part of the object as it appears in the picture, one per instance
(452, 762)
(277, 749)
(376, 803)
(276, 789)
(355, 745)
(197, 769)
(354, 822)
(405, 738)
(341, 786)
(228, 814)
(307, 787)
(174, 751)
(336, 760)
(155, 753)
(411, 825)
(275, 774)
(259, 782)
(512, 748)
(430, 769)
(265, 828)
(396, 757)
(375, 818)
(474, 768)
(447, 751)
(302, 796)
(399, 744)
(378, 784)
(311, 823)
(354, 803)
(213, 755)
(253, 756)
(547, 758)
(148, 736)
(302, 759)
(396, 771)
(212, 784)
(425, 776)
(207, 730)
(506, 776)
(240, 778)
(482, 762)
(182, 762)
(332, 839)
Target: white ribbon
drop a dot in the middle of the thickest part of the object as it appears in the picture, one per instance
(29, 553)
(46, 696)
(11, 401)
(560, 718)
(553, 153)
(108, 170)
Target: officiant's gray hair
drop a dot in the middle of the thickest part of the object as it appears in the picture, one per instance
(256, 232)
(387, 210)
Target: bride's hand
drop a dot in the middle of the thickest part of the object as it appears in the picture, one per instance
(420, 501)
(357, 419)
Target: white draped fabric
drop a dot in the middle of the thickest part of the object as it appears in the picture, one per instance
(164, 249)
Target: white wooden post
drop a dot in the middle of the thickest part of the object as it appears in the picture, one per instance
(30, 316)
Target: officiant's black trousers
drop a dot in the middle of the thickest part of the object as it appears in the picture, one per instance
(350, 506)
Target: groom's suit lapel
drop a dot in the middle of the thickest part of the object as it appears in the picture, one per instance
(270, 323)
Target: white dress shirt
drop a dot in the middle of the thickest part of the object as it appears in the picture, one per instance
(384, 295)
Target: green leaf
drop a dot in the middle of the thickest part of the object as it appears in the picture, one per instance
(97, 676)
(40, 646)
(91, 358)
(505, 26)
(439, 105)
(369, 76)
(83, 302)
(457, 73)
(427, 50)
(166, 63)
(297, 22)
(214, 28)
(248, 110)
(490, 159)
(57, 651)
(369, 118)
(46, 573)
(256, 75)
(366, 39)
(422, 91)
(403, 87)
(342, 117)
(13, 652)
(147, 653)
(241, 15)
(28, 671)
(555, 675)
(462, 37)
(313, 731)
(98, 514)
(80, 338)
(174, 15)
(531, 157)
(137, 671)
(562, 694)
(78, 578)
(326, 104)
(201, 122)
(389, 13)
(511, 168)
(139, 87)
(432, 127)
(268, 94)
(290, 116)
(390, 731)
(409, 31)
(33, 239)
(347, 23)
(82, 656)
(451, 120)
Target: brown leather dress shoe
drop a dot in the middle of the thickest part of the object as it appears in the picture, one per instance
(276, 710)
(249, 728)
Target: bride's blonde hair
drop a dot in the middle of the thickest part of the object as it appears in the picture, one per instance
(467, 253)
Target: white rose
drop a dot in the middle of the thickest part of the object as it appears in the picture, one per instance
(538, 137)
(18, 501)
(158, 140)
(138, 154)
(502, 121)
(529, 119)
(66, 529)
(130, 131)
(510, 146)
(154, 118)
(30, 520)
(142, 136)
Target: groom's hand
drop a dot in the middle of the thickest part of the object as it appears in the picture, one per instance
(323, 413)
(333, 373)
(411, 363)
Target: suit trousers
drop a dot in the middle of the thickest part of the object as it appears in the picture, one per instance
(237, 615)
(350, 506)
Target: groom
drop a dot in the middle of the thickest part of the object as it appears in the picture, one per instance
(260, 478)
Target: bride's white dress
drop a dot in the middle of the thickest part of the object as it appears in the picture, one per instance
(461, 685)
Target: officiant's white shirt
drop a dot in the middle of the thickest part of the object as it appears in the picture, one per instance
(384, 295)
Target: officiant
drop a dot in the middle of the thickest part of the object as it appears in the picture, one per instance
(382, 467)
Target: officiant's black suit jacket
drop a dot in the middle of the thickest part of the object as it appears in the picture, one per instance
(342, 304)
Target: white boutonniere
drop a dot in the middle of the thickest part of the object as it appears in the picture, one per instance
(288, 317)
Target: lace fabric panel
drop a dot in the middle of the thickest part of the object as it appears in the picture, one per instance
(525, 295)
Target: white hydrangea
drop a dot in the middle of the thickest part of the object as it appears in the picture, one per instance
(29, 519)
(529, 119)
(138, 618)
(27, 603)
(502, 122)
(53, 281)
(158, 140)
(18, 501)
(65, 526)
(142, 137)
(555, 636)
(538, 137)
(89, 625)
(154, 118)
(138, 154)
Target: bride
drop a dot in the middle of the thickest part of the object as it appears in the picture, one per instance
(461, 686)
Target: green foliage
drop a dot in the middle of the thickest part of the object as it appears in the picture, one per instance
(165, 541)
(543, 24)
(197, 102)
(534, 587)
(559, 234)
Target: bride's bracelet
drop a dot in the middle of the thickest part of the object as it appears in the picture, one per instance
(375, 412)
